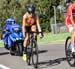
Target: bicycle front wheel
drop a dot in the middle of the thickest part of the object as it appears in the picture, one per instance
(69, 57)
(34, 54)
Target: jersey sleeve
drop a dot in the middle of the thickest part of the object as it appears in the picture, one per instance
(69, 10)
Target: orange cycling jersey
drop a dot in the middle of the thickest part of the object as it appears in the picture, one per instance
(29, 21)
(70, 12)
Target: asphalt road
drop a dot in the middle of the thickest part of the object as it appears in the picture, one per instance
(51, 56)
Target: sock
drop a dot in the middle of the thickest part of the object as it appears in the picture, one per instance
(25, 50)
(73, 47)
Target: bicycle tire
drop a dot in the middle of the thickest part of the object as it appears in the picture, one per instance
(28, 59)
(68, 53)
(35, 54)
(28, 55)
(11, 51)
(20, 49)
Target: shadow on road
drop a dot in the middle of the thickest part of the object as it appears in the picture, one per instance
(42, 51)
(48, 63)
(4, 53)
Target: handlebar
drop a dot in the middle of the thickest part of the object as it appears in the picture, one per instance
(41, 33)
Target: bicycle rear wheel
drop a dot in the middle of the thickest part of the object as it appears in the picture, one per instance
(28, 55)
(69, 57)
(35, 54)
(28, 58)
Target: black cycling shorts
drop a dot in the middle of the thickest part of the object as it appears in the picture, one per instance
(28, 28)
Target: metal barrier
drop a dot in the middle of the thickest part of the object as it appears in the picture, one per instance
(59, 28)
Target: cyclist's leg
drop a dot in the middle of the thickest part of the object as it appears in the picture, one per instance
(26, 37)
(25, 42)
(33, 29)
(72, 31)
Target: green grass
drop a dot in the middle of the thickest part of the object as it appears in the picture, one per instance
(1, 44)
(49, 37)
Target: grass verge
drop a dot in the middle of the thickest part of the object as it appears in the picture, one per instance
(1, 43)
(48, 37)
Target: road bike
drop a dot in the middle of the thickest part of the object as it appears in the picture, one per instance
(32, 50)
(69, 56)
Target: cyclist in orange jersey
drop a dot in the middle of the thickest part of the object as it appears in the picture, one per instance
(30, 23)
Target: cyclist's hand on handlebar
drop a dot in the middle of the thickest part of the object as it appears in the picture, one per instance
(41, 34)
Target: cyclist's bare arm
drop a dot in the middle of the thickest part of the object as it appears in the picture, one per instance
(23, 26)
(38, 24)
(39, 28)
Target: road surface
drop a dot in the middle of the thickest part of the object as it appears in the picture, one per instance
(51, 56)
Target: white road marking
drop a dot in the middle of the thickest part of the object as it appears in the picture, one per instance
(3, 67)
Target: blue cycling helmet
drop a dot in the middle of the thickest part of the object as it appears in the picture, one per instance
(10, 20)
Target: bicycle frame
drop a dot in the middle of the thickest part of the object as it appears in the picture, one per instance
(32, 43)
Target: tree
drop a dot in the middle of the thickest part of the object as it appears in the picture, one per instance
(17, 8)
